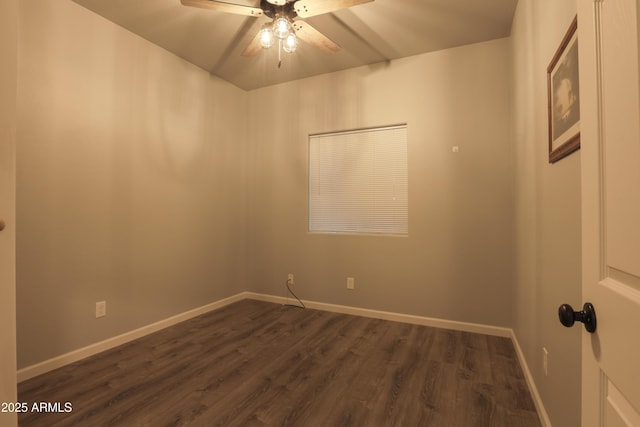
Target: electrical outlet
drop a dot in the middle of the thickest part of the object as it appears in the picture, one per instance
(101, 309)
(545, 361)
(290, 278)
(350, 283)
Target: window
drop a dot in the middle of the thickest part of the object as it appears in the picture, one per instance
(358, 182)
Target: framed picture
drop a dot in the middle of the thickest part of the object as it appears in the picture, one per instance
(563, 92)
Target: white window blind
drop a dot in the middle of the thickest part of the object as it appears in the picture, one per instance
(358, 182)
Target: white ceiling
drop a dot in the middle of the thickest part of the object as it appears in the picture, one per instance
(369, 33)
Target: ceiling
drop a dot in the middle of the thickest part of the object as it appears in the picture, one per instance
(369, 33)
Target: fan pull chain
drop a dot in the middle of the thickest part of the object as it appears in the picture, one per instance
(279, 53)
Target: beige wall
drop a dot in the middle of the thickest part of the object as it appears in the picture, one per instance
(8, 81)
(547, 245)
(456, 263)
(131, 185)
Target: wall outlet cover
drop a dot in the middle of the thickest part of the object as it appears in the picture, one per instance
(101, 309)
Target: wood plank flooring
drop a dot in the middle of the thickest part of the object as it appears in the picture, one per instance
(254, 363)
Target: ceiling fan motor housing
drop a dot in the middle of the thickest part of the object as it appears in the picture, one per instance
(272, 10)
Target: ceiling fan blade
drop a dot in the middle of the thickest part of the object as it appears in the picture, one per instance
(315, 38)
(307, 8)
(254, 47)
(223, 7)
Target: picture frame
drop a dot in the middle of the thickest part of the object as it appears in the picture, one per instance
(563, 93)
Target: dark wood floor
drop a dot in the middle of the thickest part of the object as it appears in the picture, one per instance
(260, 364)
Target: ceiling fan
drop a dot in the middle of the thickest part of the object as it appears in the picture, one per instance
(283, 28)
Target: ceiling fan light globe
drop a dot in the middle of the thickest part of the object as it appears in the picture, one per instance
(267, 37)
(281, 27)
(290, 43)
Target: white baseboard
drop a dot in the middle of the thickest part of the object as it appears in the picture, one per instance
(386, 315)
(67, 358)
(537, 400)
(90, 350)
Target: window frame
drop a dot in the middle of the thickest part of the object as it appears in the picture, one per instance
(398, 231)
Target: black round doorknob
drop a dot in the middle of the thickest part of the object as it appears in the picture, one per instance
(587, 316)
